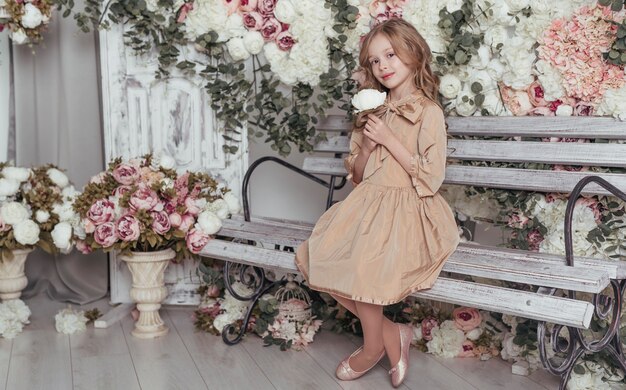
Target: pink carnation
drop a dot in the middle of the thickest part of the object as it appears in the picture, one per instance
(105, 234)
(103, 210)
(128, 228)
(160, 222)
(196, 240)
(271, 28)
(144, 198)
(126, 174)
(427, 326)
(466, 318)
(253, 21)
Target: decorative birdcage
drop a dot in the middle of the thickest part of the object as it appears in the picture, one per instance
(294, 302)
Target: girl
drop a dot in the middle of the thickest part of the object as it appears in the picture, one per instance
(392, 235)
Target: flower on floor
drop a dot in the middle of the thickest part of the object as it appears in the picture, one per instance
(14, 314)
(69, 321)
(143, 204)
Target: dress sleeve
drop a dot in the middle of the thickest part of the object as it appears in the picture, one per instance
(428, 166)
(355, 149)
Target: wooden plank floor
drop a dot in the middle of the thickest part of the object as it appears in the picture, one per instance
(41, 358)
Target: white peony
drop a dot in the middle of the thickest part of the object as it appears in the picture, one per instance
(450, 86)
(237, 49)
(253, 41)
(218, 207)
(453, 5)
(26, 232)
(32, 16)
(208, 222)
(367, 99)
(516, 6)
(495, 68)
(16, 173)
(483, 78)
(233, 28)
(68, 321)
(13, 213)
(9, 187)
(474, 334)
(61, 236)
(284, 11)
(167, 162)
(19, 36)
(464, 105)
(59, 178)
(233, 203)
(493, 104)
(42, 216)
(207, 15)
(564, 110)
(482, 59)
(540, 7)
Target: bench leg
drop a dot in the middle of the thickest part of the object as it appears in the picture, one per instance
(609, 342)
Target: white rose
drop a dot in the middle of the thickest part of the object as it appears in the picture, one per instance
(495, 36)
(9, 187)
(233, 203)
(32, 16)
(465, 107)
(237, 49)
(367, 99)
(483, 78)
(450, 86)
(474, 334)
(253, 41)
(26, 232)
(208, 222)
(13, 213)
(284, 11)
(42, 216)
(540, 6)
(167, 162)
(454, 5)
(61, 236)
(234, 28)
(16, 173)
(68, 321)
(495, 68)
(516, 6)
(19, 36)
(481, 60)
(564, 110)
(59, 178)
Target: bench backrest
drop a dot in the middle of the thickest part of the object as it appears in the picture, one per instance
(507, 140)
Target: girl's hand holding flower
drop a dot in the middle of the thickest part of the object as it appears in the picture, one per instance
(377, 130)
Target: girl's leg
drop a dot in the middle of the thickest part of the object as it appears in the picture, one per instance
(371, 317)
(391, 336)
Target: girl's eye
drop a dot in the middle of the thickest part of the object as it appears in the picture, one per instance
(390, 55)
(374, 62)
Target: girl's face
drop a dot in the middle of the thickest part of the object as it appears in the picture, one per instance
(386, 65)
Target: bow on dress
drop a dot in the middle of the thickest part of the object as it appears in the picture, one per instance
(408, 108)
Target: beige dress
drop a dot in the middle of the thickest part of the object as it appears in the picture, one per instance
(392, 235)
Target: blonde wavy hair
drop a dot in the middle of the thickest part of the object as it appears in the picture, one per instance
(411, 49)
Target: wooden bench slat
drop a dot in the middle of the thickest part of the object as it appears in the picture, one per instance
(324, 166)
(503, 300)
(486, 264)
(334, 123)
(563, 153)
(335, 144)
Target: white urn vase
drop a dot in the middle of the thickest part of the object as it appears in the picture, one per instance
(12, 277)
(4, 11)
(148, 290)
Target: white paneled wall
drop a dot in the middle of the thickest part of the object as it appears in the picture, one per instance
(4, 95)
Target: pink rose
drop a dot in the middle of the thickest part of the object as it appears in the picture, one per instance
(105, 234)
(583, 109)
(271, 28)
(466, 318)
(83, 247)
(535, 94)
(170, 207)
(541, 111)
(517, 102)
(427, 326)
(467, 349)
(121, 190)
(285, 41)
(266, 7)
(395, 12)
(126, 174)
(247, 5)
(534, 238)
(128, 228)
(253, 21)
(191, 206)
(145, 198)
(380, 18)
(103, 210)
(160, 222)
(377, 7)
(176, 219)
(88, 225)
(187, 222)
(231, 6)
(196, 240)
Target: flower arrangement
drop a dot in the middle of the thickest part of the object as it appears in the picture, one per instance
(144, 205)
(26, 19)
(69, 321)
(36, 209)
(14, 314)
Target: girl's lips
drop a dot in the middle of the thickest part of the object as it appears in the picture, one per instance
(385, 77)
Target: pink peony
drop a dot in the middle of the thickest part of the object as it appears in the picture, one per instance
(534, 238)
(176, 219)
(266, 7)
(121, 190)
(253, 21)
(517, 220)
(196, 240)
(99, 178)
(583, 109)
(467, 349)
(187, 222)
(88, 225)
(377, 7)
(517, 102)
(247, 5)
(169, 207)
(231, 6)
(213, 291)
(105, 234)
(395, 12)
(285, 41)
(541, 111)
(160, 222)
(83, 247)
(427, 326)
(128, 228)
(466, 318)
(103, 210)
(125, 174)
(144, 198)
(535, 94)
(271, 28)
(191, 206)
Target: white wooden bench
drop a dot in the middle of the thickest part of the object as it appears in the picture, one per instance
(544, 271)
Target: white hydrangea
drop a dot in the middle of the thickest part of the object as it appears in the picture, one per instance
(68, 321)
(219, 207)
(446, 341)
(550, 79)
(206, 15)
(613, 103)
(233, 203)
(518, 56)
